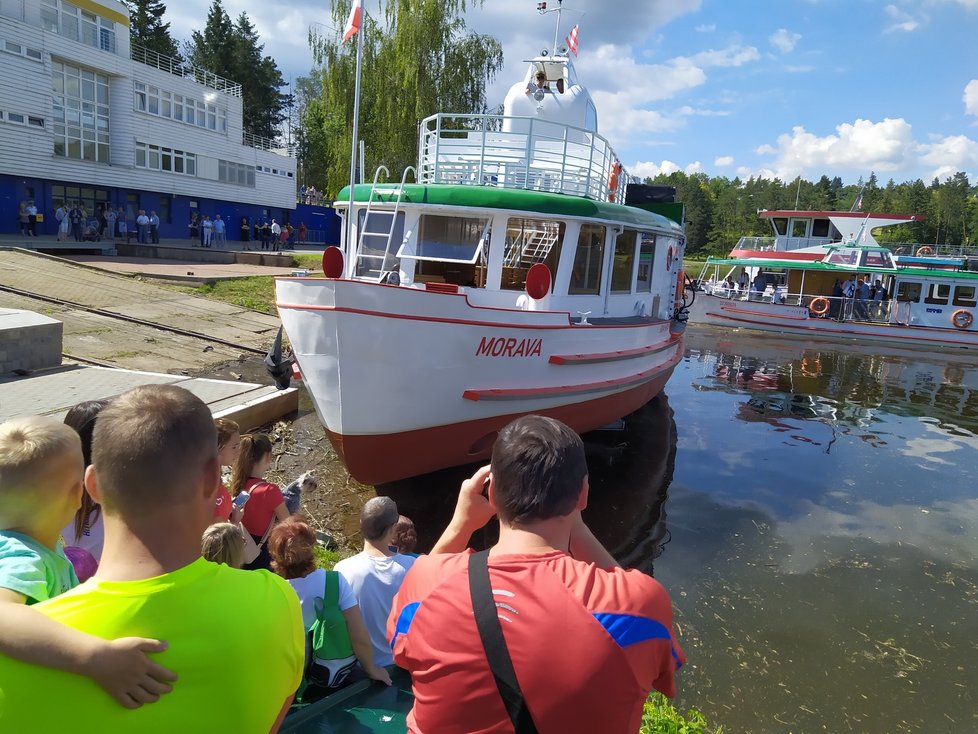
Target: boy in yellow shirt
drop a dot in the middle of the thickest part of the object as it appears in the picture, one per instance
(41, 471)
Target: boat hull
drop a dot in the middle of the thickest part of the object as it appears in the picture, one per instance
(797, 321)
(407, 381)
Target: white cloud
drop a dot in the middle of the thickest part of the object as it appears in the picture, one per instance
(732, 56)
(949, 155)
(723, 160)
(784, 40)
(652, 169)
(706, 28)
(971, 94)
(900, 20)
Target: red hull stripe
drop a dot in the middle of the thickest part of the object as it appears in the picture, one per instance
(764, 313)
(855, 334)
(465, 322)
(610, 356)
(563, 390)
(376, 459)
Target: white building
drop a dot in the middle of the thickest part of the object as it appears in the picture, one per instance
(86, 116)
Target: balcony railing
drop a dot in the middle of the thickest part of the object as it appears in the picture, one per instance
(182, 68)
(269, 144)
(534, 154)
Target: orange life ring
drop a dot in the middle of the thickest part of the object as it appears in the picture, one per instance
(962, 319)
(679, 285)
(925, 250)
(613, 181)
(811, 369)
(819, 306)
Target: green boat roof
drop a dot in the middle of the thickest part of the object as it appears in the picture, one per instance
(818, 265)
(494, 197)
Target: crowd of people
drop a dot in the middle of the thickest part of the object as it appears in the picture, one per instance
(127, 565)
(310, 195)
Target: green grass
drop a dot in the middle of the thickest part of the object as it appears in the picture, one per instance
(328, 558)
(256, 293)
(660, 717)
(308, 261)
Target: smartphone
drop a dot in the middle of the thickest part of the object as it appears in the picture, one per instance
(241, 499)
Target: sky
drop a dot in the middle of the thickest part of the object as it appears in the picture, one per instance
(729, 87)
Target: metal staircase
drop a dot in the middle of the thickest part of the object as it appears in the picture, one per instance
(369, 264)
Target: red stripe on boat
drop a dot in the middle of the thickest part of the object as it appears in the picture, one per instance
(610, 356)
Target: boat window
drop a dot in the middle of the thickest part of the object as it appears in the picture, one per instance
(799, 227)
(877, 259)
(964, 295)
(908, 291)
(820, 228)
(938, 293)
(646, 256)
(530, 241)
(449, 239)
(375, 256)
(780, 225)
(844, 257)
(586, 276)
(622, 266)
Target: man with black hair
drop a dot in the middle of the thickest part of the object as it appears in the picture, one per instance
(584, 640)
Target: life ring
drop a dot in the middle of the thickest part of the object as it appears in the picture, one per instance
(819, 306)
(613, 181)
(962, 319)
(925, 250)
(811, 368)
(679, 285)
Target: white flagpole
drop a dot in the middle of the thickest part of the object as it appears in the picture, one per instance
(353, 148)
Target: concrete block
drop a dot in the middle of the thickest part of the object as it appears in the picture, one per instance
(29, 341)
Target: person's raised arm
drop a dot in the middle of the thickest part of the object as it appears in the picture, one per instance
(121, 667)
(472, 511)
(585, 547)
(360, 639)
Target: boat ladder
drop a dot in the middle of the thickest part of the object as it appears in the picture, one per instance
(370, 263)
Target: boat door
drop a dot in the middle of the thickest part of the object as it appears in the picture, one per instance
(798, 232)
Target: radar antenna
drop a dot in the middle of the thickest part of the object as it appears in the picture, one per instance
(543, 10)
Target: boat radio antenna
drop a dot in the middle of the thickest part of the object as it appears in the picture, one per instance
(543, 10)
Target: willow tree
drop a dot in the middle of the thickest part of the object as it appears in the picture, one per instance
(418, 58)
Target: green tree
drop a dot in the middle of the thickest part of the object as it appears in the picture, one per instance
(418, 59)
(146, 27)
(235, 52)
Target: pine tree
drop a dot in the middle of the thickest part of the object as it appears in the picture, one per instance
(146, 27)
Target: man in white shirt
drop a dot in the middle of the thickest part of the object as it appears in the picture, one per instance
(154, 227)
(376, 573)
(142, 227)
(31, 219)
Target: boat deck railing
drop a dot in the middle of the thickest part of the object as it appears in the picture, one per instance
(915, 249)
(538, 155)
(835, 307)
(755, 243)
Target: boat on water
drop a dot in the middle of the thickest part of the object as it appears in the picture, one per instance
(518, 272)
(813, 281)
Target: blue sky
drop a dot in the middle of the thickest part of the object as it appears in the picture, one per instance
(733, 87)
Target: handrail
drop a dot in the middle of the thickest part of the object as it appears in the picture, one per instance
(179, 67)
(268, 144)
(536, 154)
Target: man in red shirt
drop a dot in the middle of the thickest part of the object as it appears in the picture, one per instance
(586, 639)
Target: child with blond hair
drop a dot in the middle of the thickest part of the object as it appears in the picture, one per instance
(41, 470)
(223, 542)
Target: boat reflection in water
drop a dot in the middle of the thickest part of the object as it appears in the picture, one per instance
(629, 474)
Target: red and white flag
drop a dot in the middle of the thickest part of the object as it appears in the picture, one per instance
(571, 40)
(353, 22)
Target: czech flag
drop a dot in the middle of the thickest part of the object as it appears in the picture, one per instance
(353, 22)
(571, 40)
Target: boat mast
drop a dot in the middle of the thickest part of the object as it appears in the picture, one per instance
(542, 10)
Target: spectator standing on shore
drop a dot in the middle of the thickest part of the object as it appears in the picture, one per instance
(245, 231)
(31, 219)
(207, 230)
(120, 220)
(276, 232)
(219, 232)
(194, 229)
(154, 227)
(22, 220)
(284, 236)
(102, 221)
(302, 233)
(142, 227)
(256, 231)
(110, 217)
(76, 215)
(61, 214)
(302, 194)
(585, 640)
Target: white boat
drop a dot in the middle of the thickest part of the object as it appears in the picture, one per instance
(510, 278)
(916, 296)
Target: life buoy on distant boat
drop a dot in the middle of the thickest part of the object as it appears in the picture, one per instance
(962, 319)
(811, 368)
(613, 181)
(925, 250)
(819, 306)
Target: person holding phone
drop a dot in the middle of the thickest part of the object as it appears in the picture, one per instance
(265, 504)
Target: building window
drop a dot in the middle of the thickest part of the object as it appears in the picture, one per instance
(177, 107)
(235, 173)
(80, 105)
(90, 199)
(170, 160)
(76, 24)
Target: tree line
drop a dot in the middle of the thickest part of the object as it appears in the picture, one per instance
(719, 210)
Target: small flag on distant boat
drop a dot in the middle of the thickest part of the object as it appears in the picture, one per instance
(571, 40)
(353, 22)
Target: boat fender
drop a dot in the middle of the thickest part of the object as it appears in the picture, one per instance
(613, 181)
(819, 306)
(925, 250)
(333, 262)
(962, 319)
(538, 281)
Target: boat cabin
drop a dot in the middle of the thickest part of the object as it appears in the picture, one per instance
(799, 229)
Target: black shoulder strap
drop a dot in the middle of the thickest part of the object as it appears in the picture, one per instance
(491, 633)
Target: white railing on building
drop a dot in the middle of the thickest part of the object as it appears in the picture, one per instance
(178, 67)
(470, 149)
(269, 144)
